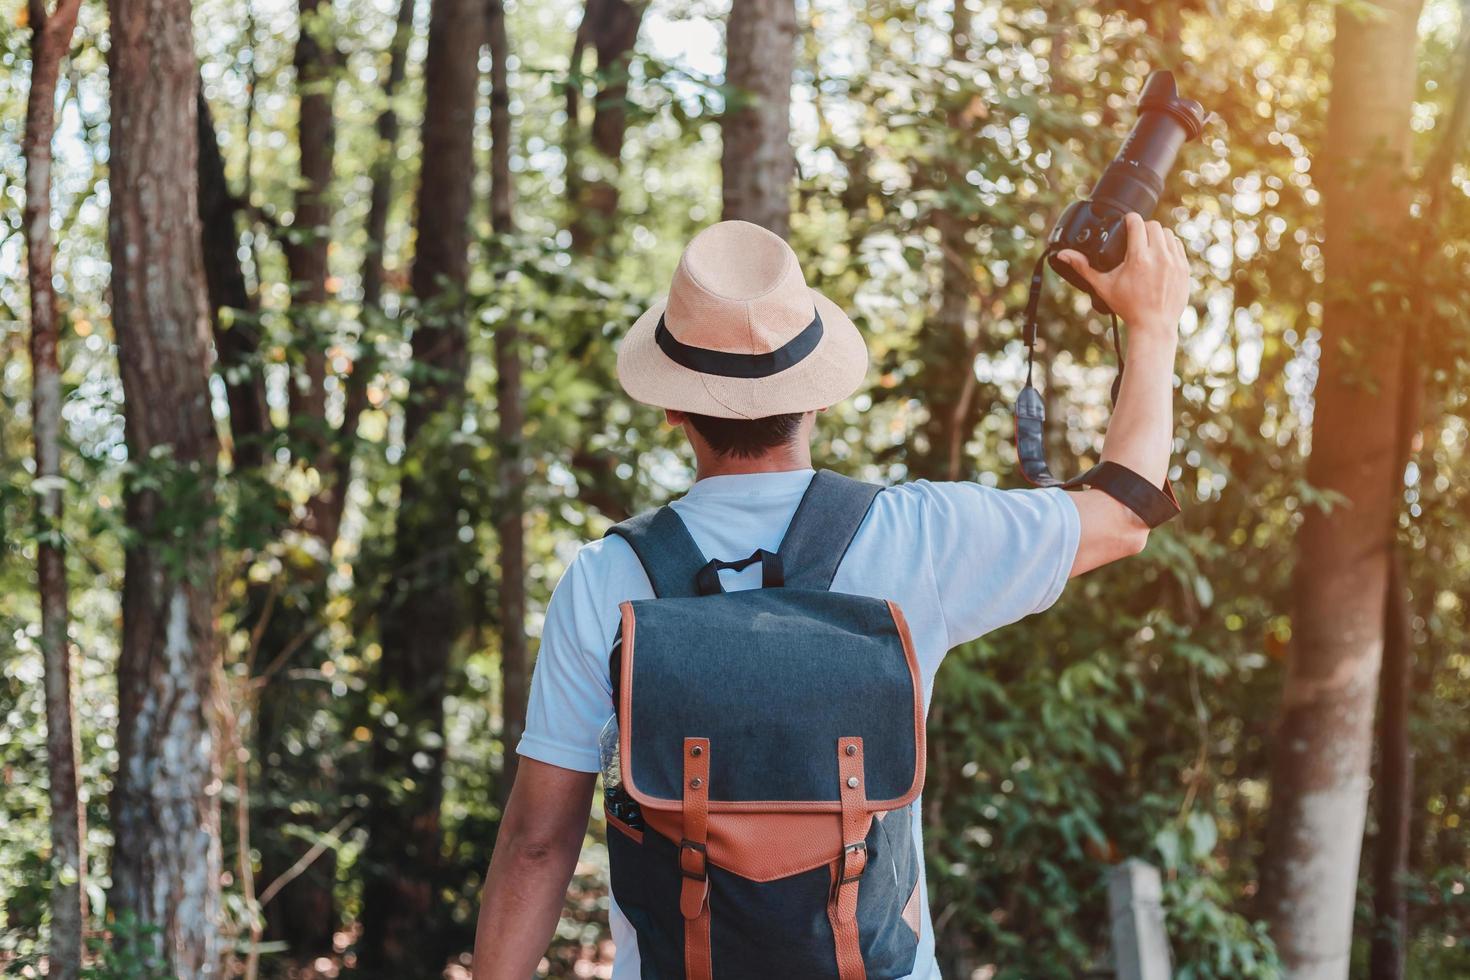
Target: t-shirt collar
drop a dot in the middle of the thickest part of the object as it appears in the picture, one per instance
(752, 484)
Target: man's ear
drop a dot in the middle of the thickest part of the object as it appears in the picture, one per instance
(674, 417)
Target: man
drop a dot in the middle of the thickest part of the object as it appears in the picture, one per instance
(737, 360)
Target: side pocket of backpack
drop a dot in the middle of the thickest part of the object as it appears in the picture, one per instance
(890, 936)
(645, 884)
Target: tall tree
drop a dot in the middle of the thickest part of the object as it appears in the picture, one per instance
(610, 28)
(757, 160)
(304, 913)
(1393, 786)
(307, 245)
(231, 307)
(387, 127)
(953, 408)
(166, 859)
(305, 917)
(380, 202)
(511, 519)
(422, 609)
(51, 33)
(1320, 768)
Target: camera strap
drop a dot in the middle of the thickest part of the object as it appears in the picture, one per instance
(1153, 505)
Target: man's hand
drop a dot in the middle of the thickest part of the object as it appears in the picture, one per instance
(1150, 287)
(1149, 290)
(535, 853)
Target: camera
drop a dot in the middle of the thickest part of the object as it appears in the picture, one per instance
(1134, 181)
(1095, 227)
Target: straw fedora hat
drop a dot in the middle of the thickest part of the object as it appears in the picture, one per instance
(740, 336)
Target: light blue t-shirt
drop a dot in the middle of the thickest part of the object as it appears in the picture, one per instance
(960, 559)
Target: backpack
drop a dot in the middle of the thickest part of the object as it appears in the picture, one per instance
(769, 753)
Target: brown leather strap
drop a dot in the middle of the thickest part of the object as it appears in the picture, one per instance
(693, 860)
(842, 909)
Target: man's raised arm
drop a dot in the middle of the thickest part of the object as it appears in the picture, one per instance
(1149, 291)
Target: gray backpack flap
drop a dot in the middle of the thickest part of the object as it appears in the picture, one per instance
(771, 748)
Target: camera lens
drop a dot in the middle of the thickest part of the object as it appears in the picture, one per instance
(1134, 181)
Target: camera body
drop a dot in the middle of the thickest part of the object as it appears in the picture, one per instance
(1134, 181)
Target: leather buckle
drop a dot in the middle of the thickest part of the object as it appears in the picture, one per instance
(687, 846)
(852, 851)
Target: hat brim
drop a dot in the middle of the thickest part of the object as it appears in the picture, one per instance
(826, 376)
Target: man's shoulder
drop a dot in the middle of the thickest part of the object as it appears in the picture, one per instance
(936, 510)
(911, 500)
(916, 495)
(605, 570)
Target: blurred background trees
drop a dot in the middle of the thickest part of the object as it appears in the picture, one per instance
(337, 288)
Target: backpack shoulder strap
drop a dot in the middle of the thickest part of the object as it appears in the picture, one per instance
(664, 546)
(825, 522)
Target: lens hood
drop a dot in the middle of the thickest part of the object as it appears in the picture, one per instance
(1160, 94)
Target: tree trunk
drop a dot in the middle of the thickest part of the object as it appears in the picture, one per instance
(380, 201)
(952, 405)
(236, 342)
(50, 38)
(611, 28)
(165, 804)
(1324, 738)
(381, 196)
(757, 160)
(303, 914)
(421, 615)
(510, 523)
(1394, 786)
(307, 249)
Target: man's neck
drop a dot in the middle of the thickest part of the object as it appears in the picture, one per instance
(782, 460)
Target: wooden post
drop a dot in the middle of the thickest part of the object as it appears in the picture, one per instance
(1136, 907)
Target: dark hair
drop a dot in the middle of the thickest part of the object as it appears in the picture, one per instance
(745, 438)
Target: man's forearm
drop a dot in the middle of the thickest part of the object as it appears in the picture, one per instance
(524, 894)
(1140, 435)
(1149, 291)
(535, 854)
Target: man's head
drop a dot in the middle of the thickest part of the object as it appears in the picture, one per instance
(742, 354)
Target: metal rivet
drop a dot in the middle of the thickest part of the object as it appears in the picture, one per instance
(852, 782)
(852, 750)
(697, 751)
(695, 783)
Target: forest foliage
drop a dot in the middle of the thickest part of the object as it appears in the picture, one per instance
(1134, 719)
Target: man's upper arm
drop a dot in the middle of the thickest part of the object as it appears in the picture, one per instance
(571, 693)
(997, 555)
(549, 805)
(1110, 531)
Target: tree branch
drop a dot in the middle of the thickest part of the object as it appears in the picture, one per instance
(331, 838)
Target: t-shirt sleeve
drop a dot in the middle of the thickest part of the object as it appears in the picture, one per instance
(997, 555)
(571, 693)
